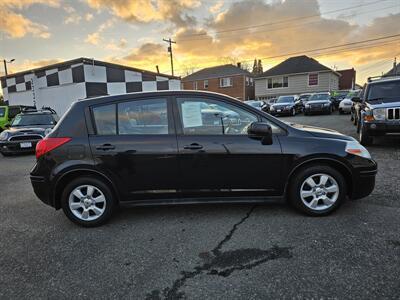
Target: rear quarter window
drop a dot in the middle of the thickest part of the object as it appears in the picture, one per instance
(105, 119)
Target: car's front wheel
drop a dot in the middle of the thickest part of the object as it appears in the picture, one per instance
(88, 202)
(363, 136)
(317, 190)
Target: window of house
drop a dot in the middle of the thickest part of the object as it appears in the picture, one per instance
(195, 85)
(206, 84)
(251, 81)
(270, 83)
(105, 119)
(143, 117)
(277, 82)
(225, 82)
(313, 79)
(247, 81)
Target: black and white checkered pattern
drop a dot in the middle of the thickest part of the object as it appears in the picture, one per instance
(99, 78)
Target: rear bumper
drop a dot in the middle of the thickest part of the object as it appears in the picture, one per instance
(381, 128)
(16, 147)
(364, 182)
(41, 189)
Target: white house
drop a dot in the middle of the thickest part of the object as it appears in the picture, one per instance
(58, 85)
(296, 75)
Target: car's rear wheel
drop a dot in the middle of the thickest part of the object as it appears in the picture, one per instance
(317, 190)
(88, 202)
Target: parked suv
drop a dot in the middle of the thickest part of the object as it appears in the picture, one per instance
(377, 113)
(155, 148)
(26, 130)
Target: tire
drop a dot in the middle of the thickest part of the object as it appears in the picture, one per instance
(298, 184)
(341, 112)
(293, 113)
(106, 204)
(363, 136)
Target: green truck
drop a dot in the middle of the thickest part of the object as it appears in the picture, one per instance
(7, 114)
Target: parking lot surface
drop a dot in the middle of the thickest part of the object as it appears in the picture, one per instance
(205, 251)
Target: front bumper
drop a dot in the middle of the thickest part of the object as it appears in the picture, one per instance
(382, 127)
(363, 183)
(282, 111)
(18, 146)
(317, 109)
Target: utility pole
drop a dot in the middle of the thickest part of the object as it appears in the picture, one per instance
(170, 42)
(5, 65)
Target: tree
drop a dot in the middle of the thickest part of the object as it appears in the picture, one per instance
(259, 67)
(255, 67)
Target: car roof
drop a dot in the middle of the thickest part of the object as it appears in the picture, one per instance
(39, 112)
(384, 79)
(166, 93)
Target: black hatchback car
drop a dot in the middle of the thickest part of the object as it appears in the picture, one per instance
(155, 148)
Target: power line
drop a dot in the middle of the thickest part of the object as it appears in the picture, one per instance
(287, 20)
(234, 35)
(330, 47)
(384, 43)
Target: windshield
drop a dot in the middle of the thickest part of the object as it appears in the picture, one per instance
(384, 91)
(254, 104)
(2, 112)
(285, 99)
(319, 97)
(304, 97)
(353, 94)
(34, 119)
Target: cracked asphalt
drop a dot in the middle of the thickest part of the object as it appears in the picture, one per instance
(205, 251)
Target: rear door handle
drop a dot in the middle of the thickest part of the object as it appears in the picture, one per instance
(193, 146)
(105, 147)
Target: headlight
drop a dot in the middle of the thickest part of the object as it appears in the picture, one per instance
(288, 107)
(379, 113)
(356, 148)
(272, 108)
(307, 105)
(3, 136)
(326, 104)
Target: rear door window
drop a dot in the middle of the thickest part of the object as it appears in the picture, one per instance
(105, 119)
(143, 117)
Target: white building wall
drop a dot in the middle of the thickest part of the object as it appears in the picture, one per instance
(60, 97)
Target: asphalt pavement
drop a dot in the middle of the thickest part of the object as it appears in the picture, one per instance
(205, 251)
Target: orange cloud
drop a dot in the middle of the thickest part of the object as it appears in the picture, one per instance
(144, 11)
(15, 25)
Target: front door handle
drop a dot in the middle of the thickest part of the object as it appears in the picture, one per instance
(105, 147)
(193, 146)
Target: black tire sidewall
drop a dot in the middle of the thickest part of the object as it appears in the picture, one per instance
(298, 179)
(110, 201)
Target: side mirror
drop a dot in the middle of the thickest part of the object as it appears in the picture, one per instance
(356, 99)
(261, 131)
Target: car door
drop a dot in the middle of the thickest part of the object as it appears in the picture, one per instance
(215, 154)
(135, 144)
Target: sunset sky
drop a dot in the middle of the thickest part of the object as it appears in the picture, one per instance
(208, 32)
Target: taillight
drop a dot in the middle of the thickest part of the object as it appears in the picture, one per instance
(48, 144)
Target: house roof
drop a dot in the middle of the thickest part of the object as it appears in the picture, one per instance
(394, 71)
(295, 65)
(216, 72)
(85, 60)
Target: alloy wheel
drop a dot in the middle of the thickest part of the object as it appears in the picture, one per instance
(319, 191)
(87, 202)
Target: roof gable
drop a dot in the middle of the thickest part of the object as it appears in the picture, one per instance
(294, 65)
(215, 72)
